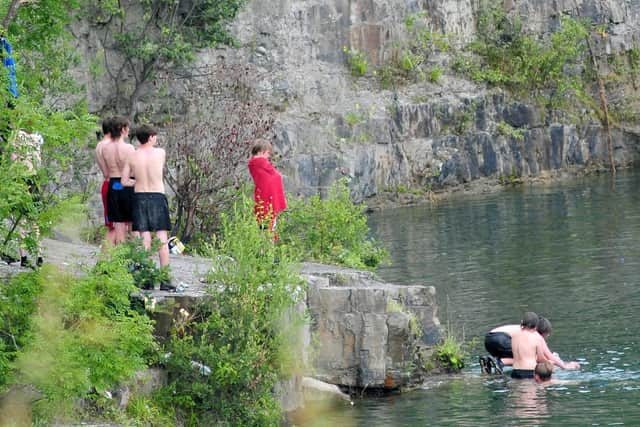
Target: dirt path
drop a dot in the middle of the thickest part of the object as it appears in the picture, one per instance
(77, 257)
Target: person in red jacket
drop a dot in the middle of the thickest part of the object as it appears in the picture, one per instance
(268, 194)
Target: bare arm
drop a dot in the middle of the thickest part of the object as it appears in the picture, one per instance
(548, 355)
(127, 171)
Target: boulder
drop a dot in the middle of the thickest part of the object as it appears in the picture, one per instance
(369, 333)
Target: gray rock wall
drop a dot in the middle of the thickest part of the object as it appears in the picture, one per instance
(420, 135)
(417, 135)
(369, 334)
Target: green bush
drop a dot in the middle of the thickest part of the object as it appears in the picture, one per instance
(227, 355)
(86, 339)
(18, 302)
(140, 263)
(333, 230)
(450, 355)
(525, 65)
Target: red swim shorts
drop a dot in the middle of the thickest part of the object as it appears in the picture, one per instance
(105, 189)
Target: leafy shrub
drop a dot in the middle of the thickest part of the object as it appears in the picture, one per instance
(40, 37)
(333, 230)
(525, 65)
(140, 264)
(18, 297)
(227, 355)
(450, 355)
(86, 338)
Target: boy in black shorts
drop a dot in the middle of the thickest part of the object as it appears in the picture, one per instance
(150, 207)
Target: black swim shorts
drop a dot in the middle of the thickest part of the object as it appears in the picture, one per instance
(119, 201)
(150, 212)
(498, 344)
(522, 374)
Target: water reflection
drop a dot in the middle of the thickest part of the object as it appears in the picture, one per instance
(527, 403)
(571, 253)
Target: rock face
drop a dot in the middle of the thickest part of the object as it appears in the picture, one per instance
(369, 333)
(424, 134)
(419, 135)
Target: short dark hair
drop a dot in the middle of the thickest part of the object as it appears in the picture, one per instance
(544, 370)
(118, 123)
(259, 146)
(529, 320)
(544, 326)
(107, 124)
(144, 132)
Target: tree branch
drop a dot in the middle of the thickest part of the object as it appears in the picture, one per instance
(12, 12)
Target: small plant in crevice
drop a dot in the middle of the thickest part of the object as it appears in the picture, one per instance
(505, 129)
(394, 306)
(435, 74)
(450, 354)
(512, 179)
(353, 118)
(357, 61)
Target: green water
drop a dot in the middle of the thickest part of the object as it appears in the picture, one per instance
(570, 252)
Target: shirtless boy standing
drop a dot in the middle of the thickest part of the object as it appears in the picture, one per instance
(526, 345)
(106, 139)
(119, 196)
(150, 207)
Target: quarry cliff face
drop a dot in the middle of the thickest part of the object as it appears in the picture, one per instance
(423, 134)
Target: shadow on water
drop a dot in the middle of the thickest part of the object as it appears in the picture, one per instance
(570, 252)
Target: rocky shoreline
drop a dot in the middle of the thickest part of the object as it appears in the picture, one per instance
(391, 199)
(364, 334)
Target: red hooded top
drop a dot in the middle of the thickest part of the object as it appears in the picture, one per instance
(269, 190)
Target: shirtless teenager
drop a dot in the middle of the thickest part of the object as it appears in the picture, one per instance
(119, 196)
(526, 345)
(498, 343)
(150, 207)
(106, 139)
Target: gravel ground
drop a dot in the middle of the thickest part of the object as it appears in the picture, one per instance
(186, 271)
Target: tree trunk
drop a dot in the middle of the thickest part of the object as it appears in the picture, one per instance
(12, 11)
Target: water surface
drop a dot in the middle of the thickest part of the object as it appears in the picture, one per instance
(570, 252)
